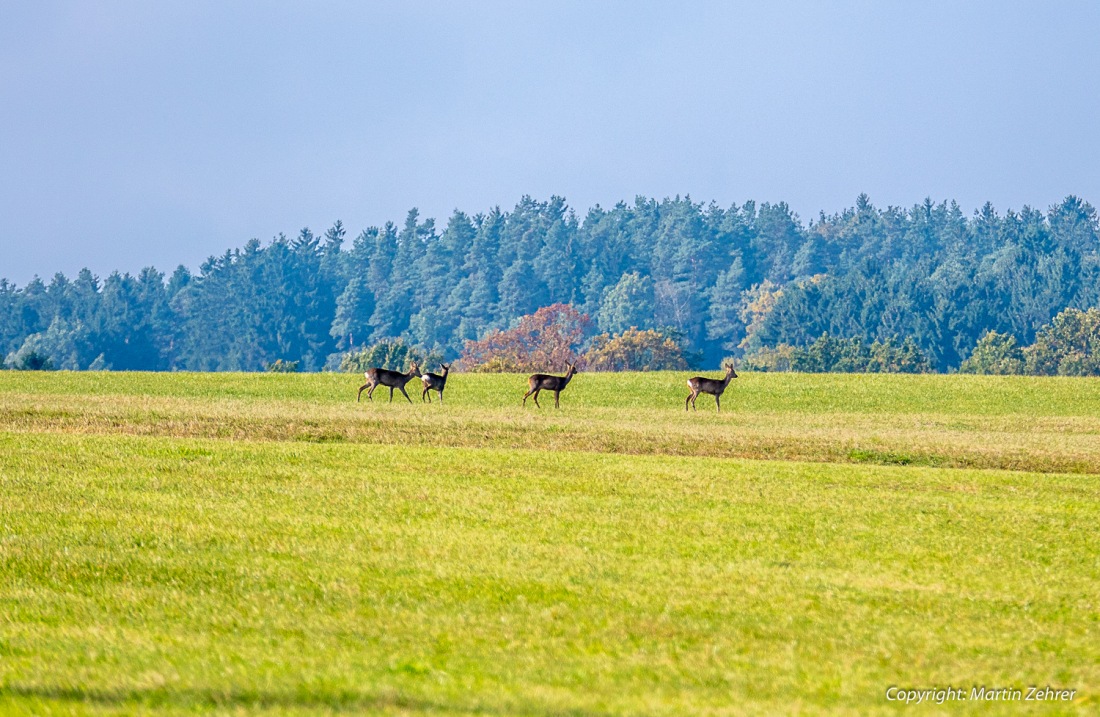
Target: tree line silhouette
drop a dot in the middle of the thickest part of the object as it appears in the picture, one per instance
(927, 281)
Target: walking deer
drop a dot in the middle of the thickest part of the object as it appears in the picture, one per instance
(714, 387)
(435, 382)
(543, 382)
(391, 379)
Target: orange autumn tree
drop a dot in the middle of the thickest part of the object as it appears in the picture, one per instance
(635, 350)
(546, 340)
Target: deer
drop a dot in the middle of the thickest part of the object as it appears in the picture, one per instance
(435, 382)
(542, 382)
(714, 387)
(391, 379)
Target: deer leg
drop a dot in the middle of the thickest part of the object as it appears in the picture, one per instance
(370, 393)
(391, 394)
(526, 395)
(537, 397)
(693, 401)
(441, 395)
(718, 402)
(425, 393)
(402, 390)
(360, 394)
(556, 394)
(687, 401)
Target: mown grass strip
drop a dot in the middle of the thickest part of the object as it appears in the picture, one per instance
(188, 575)
(1065, 444)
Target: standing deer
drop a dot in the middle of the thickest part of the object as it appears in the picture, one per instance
(435, 382)
(541, 382)
(391, 379)
(714, 387)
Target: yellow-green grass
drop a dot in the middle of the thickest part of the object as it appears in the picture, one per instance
(261, 544)
(1009, 422)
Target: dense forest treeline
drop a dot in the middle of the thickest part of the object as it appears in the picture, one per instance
(719, 280)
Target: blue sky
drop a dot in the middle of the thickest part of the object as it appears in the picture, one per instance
(137, 133)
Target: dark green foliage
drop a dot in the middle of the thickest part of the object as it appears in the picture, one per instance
(1068, 346)
(33, 361)
(629, 303)
(353, 312)
(995, 353)
(395, 355)
(931, 275)
(725, 323)
(834, 355)
(281, 366)
(61, 346)
(749, 277)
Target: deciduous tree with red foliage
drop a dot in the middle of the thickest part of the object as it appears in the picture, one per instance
(546, 340)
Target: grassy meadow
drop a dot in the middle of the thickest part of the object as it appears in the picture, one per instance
(262, 544)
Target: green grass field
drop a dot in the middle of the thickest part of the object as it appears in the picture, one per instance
(254, 544)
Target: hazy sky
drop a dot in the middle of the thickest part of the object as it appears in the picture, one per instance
(163, 132)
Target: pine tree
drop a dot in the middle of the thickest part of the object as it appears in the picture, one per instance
(725, 324)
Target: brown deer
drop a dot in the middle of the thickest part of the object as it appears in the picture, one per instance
(435, 382)
(714, 387)
(543, 382)
(391, 379)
